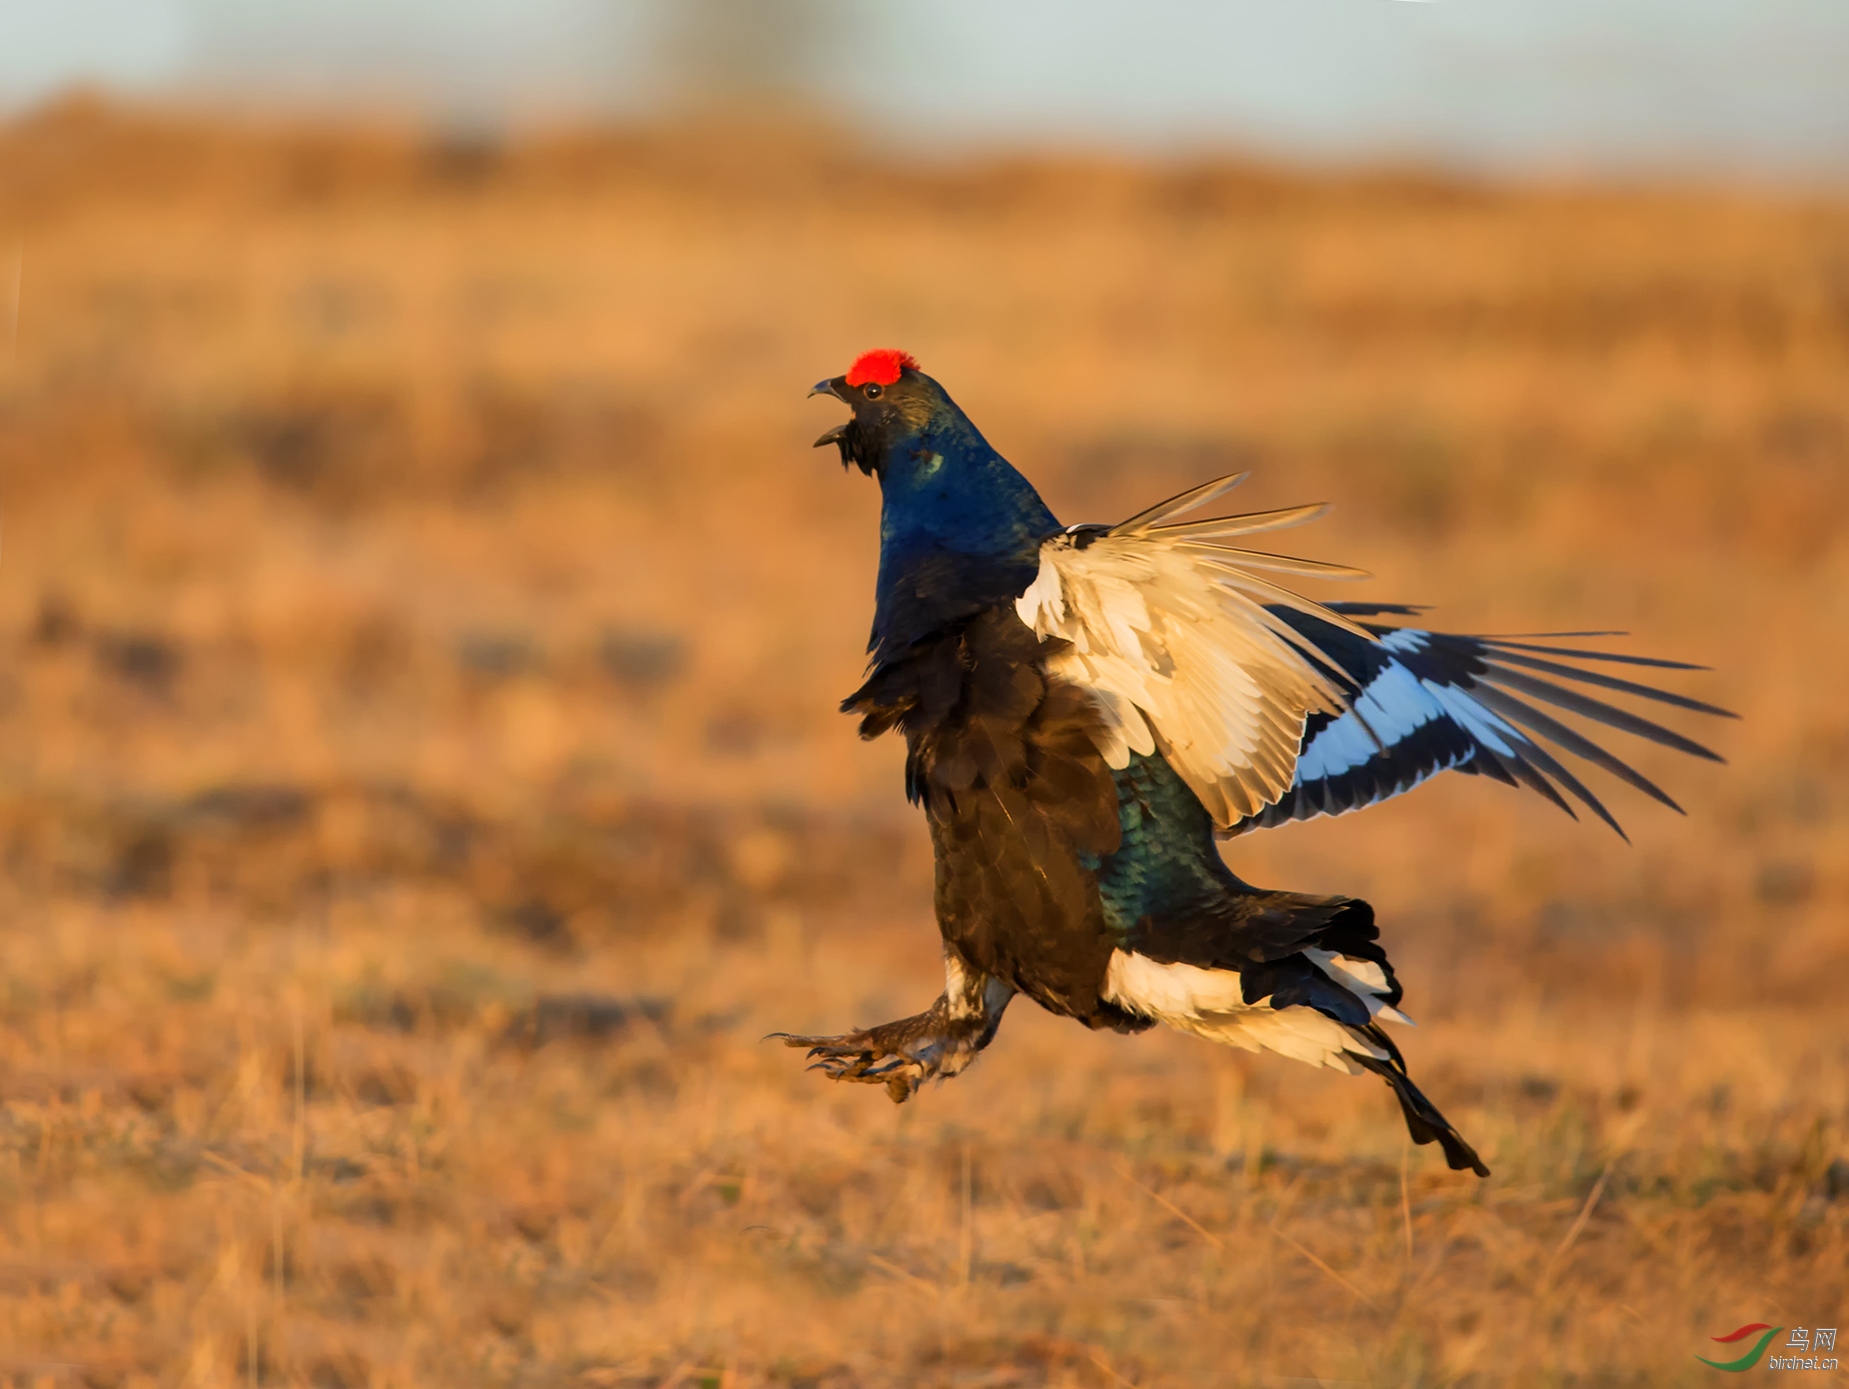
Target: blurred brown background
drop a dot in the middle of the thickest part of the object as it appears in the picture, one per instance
(421, 620)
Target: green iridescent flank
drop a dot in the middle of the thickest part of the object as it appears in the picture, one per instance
(1167, 862)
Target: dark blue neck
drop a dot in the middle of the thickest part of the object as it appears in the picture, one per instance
(960, 530)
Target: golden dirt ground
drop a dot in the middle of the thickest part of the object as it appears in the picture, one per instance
(420, 785)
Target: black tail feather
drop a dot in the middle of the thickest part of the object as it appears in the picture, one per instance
(1423, 1121)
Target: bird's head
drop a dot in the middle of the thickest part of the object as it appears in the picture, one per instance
(960, 529)
(892, 400)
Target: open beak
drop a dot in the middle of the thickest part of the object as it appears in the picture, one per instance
(830, 387)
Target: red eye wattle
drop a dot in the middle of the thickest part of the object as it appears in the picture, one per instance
(880, 366)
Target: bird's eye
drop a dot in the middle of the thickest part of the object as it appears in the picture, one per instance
(871, 390)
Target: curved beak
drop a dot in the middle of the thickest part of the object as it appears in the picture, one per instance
(830, 387)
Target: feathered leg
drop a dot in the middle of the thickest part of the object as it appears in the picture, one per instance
(935, 1044)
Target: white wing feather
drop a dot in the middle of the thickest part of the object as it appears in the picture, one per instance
(1169, 629)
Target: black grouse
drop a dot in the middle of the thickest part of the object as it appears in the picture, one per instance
(1087, 709)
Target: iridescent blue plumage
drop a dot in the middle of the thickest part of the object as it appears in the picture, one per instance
(960, 529)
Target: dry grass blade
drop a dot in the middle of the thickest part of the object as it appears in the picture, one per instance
(1097, 1358)
(1313, 1258)
(1172, 1209)
(1220, 1244)
(1579, 1224)
(1406, 1198)
(225, 1165)
(903, 1275)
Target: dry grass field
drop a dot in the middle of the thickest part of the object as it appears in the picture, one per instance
(421, 620)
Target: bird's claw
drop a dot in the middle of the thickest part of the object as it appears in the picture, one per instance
(857, 1057)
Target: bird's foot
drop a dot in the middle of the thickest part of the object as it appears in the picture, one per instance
(899, 1055)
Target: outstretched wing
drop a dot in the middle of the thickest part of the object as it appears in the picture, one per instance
(1424, 702)
(1187, 647)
